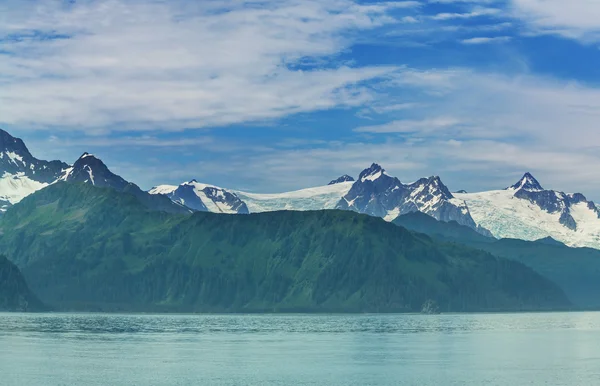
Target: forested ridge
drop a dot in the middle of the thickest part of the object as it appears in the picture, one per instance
(88, 248)
(14, 292)
(575, 270)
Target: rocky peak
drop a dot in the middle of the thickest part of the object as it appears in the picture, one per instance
(15, 159)
(90, 169)
(371, 173)
(527, 182)
(8, 143)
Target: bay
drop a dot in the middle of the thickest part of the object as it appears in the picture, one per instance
(461, 349)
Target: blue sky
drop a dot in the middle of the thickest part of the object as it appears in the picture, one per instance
(276, 95)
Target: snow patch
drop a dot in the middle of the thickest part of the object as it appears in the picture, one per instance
(15, 187)
(163, 189)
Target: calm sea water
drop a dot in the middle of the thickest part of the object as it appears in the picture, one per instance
(506, 349)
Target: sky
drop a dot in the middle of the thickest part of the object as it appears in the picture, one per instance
(269, 96)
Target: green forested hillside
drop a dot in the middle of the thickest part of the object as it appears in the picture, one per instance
(576, 270)
(89, 248)
(14, 293)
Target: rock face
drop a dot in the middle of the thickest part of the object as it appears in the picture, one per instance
(339, 180)
(16, 160)
(378, 194)
(21, 173)
(204, 198)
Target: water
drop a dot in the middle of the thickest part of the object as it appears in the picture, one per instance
(492, 349)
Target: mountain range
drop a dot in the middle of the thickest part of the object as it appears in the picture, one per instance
(84, 238)
(525, 210)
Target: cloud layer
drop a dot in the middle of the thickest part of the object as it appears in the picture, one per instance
(174, 65)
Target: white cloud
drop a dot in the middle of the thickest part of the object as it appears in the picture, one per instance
(477, 12)
(486, 40)
(135, 65)
(575, 19)
(409, 20)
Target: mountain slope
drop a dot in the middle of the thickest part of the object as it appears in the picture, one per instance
(14, 292)
(529, 212)
(88, 248)
(576, 270)
(203, 198)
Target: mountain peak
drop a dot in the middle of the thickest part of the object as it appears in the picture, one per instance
(8, 143)
(372, 173)
(90, 169)
(527, 182)
(339, 180)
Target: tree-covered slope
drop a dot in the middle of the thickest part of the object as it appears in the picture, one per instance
(14, 292)
(88, 248)
(576, 270)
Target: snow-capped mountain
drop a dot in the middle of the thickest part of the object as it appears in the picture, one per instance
(344, 178)
(378, 194)
(203, 198)
(21, 173)
(527, 211)
(89, 169)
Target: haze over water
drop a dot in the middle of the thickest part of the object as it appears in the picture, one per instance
(473, 349)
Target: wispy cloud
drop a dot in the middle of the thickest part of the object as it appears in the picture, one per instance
(477, 12)
(171, 65)
(486, 40)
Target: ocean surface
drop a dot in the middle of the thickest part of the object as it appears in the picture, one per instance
(471, 349)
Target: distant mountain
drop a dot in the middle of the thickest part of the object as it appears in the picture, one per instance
(23, 174)
(203, 198)
(375, 193)
(90, 170)
(88, 248)
(14, 292)
(576, 270)
(20, 173)
(378, 194)
(344, 178)
(527, 211)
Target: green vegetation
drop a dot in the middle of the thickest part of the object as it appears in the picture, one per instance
(88, 248)
(14, 293)
(575, 270)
